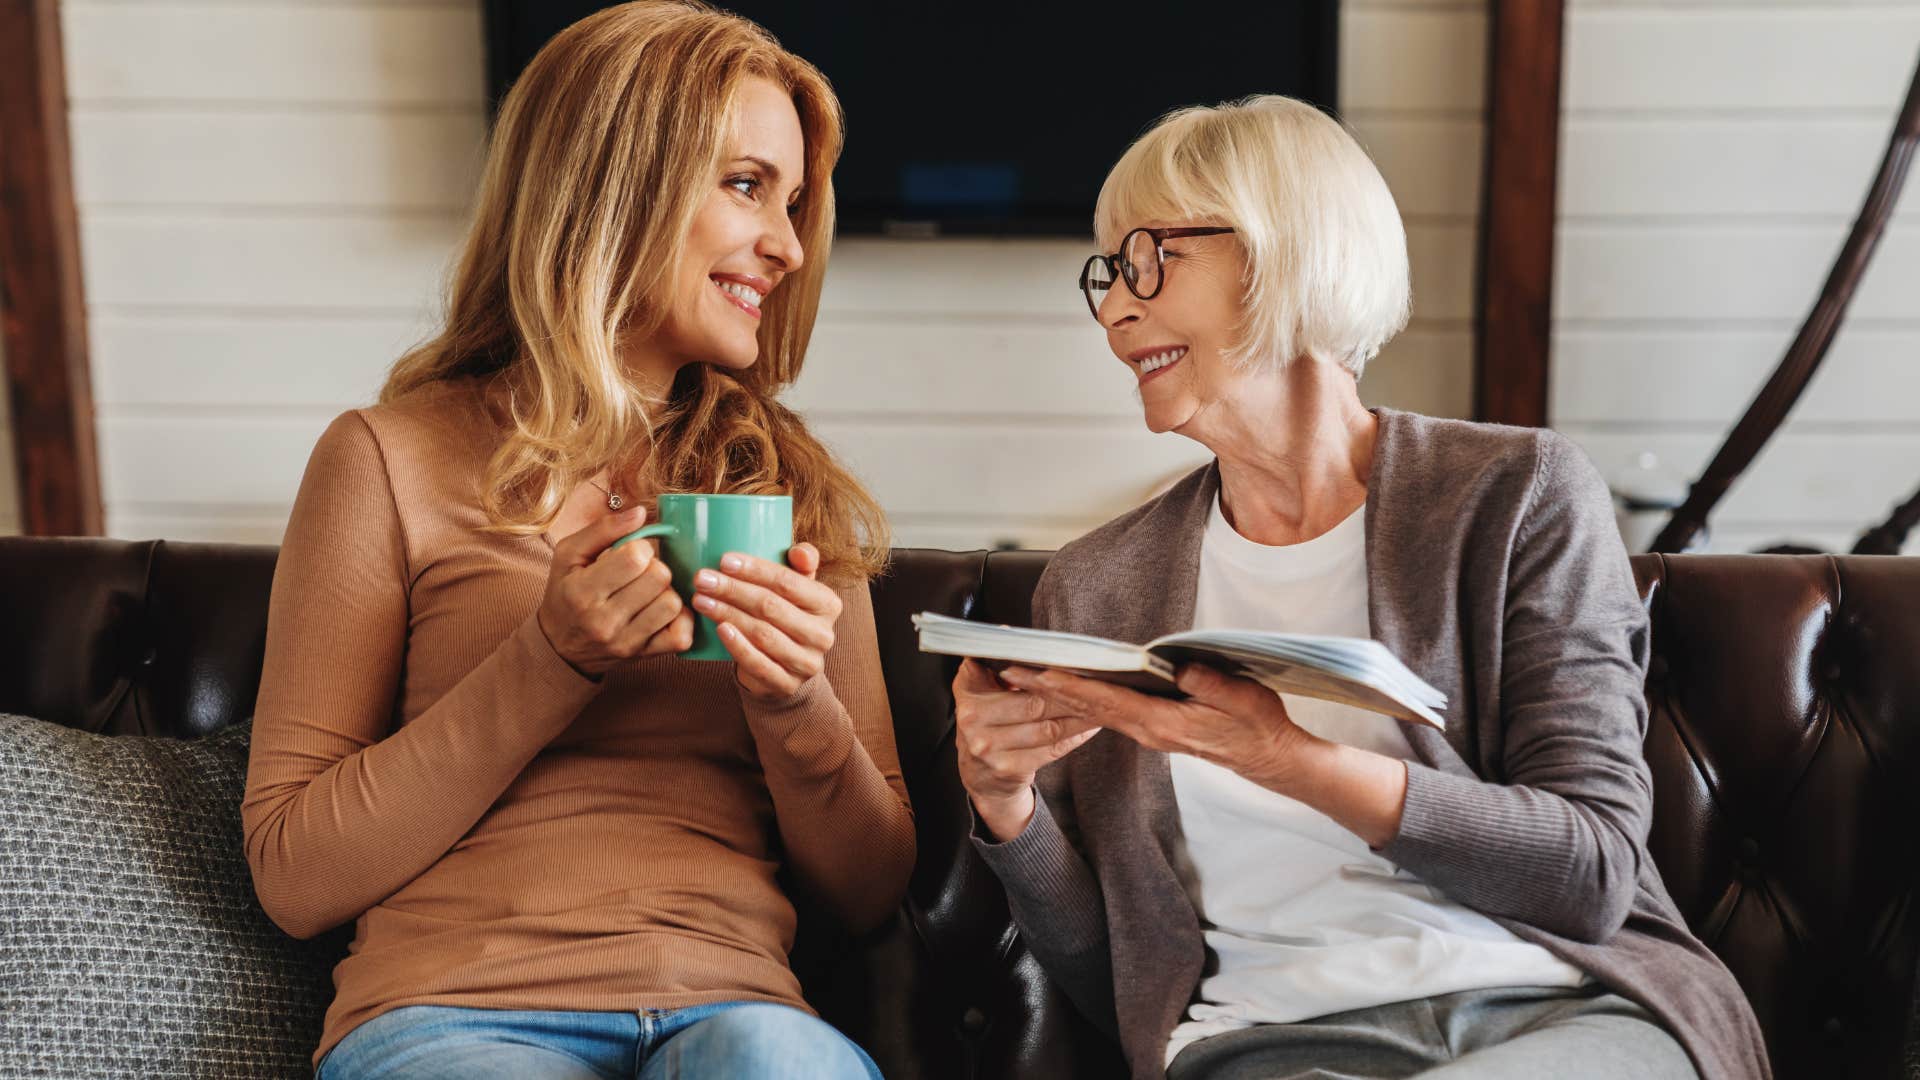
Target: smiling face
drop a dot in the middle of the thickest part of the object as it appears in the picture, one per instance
(740, 246)
(1176, 343)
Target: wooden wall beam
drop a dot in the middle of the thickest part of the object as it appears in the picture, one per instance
(43, 326)
(1513, 320)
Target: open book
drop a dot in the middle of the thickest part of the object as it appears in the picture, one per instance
(1351, 671)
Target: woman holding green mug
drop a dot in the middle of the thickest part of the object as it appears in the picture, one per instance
(703, 537)
(562, 846)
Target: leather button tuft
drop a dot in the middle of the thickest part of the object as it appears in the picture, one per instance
(1749, 850)
(1832, 671)
(1657, 667)
(973, 1021)
(1833, 1028)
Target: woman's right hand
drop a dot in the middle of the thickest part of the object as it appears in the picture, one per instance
(605, 606)
(1004, 737)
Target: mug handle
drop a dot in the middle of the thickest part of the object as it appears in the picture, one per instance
(657, 529)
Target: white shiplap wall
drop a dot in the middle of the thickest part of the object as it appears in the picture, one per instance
(270, 191)
(1714, 155)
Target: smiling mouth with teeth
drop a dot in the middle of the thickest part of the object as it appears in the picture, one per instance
(742, 295)
(1159, 360)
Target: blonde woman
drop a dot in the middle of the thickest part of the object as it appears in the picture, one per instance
(562, 848)
(1242, 885)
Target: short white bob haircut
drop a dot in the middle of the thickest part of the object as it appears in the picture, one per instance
(1326, 251)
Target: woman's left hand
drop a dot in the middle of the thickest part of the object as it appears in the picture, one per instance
(1238, 724)
(1230, 721)
(777, 621)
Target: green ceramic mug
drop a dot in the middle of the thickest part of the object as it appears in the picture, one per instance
(695, 530)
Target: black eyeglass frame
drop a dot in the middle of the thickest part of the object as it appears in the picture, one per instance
(1118, 266)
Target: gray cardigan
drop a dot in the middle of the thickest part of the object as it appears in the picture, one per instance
(1495, 572)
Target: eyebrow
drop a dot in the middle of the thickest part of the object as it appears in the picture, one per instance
(772, 171)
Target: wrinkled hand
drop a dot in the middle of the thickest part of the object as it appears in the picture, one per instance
(1230, 721)
(1238, 724)
(776, 621)
(604, 607)
(1004, 737)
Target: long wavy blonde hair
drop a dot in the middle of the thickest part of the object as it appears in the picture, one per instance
(601, 156)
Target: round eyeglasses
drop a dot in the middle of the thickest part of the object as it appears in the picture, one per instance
(1138, 263)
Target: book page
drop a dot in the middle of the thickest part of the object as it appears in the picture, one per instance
(1021, 645)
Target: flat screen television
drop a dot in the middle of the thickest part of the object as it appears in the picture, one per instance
(1000, 118)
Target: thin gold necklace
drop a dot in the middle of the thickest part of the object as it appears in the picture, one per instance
(614, 502)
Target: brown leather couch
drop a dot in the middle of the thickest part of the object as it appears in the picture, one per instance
(1785, 747)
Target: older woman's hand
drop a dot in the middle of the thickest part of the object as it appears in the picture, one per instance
(777, 621)
(1233, 722)
(1241, 725)
(607, 605)
(1004, 738)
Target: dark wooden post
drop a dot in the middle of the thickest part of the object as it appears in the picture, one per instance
(1513, 320)
(43, 325)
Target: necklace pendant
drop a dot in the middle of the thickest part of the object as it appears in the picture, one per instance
(615, 502)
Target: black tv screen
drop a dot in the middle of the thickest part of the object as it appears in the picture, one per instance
(1000, 118)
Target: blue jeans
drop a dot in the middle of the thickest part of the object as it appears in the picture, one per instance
(727, 1041)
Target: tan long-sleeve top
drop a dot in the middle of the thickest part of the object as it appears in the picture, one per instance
(503, 831)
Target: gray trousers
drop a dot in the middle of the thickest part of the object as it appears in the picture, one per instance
(1503, 1034)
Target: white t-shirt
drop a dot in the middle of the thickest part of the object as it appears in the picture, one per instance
(1301, 918)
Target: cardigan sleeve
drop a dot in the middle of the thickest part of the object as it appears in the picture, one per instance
(1559, 842)
(1052, 893)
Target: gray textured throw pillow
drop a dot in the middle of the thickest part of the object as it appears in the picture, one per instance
(130, 940)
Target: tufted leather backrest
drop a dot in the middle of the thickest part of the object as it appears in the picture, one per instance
(1785, 736)
(1785, 743)
(132, 638)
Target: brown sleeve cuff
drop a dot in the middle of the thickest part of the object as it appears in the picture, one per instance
(535, 659)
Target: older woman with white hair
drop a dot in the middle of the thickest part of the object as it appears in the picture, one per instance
(1241, 884)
